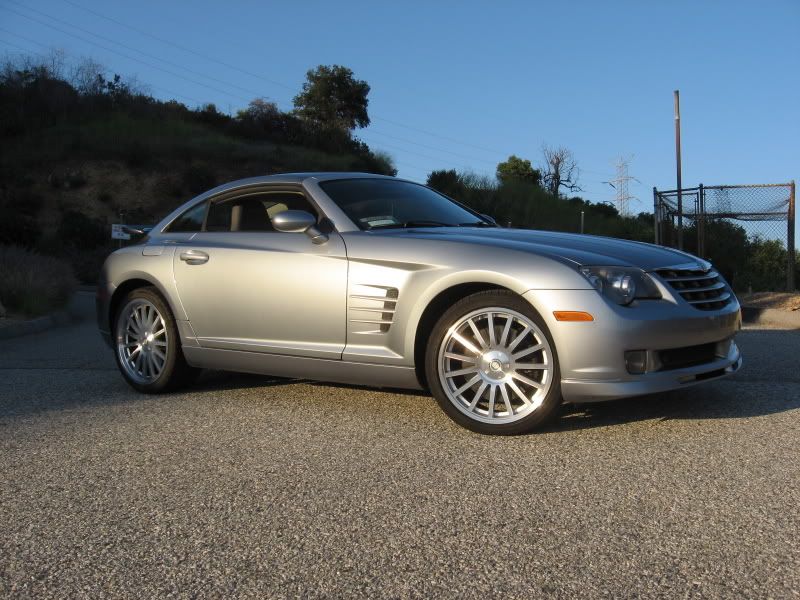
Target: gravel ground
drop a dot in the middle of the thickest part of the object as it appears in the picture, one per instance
(249, 486)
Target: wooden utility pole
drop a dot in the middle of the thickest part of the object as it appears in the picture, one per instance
(678, 164)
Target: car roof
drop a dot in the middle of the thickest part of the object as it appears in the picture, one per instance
(319, 176)
(293, 178)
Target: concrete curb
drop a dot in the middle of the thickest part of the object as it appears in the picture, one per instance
(771, 316)
(36, 325)
(79, 310)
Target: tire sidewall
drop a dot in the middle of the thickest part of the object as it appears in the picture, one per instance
(496, 298)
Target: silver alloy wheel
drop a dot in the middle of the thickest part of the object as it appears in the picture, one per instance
(495, 365)
(142, 341)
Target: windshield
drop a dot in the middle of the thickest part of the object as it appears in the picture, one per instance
(389, 203)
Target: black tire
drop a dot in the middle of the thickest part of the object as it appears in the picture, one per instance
(544, 413)
(175, 372)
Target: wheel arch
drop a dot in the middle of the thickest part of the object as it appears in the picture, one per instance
(435, 308)
(134, 282)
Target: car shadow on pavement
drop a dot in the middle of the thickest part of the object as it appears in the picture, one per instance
(711, 401)
(766, 385)
(228, 380)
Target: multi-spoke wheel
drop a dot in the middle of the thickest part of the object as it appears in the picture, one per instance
(142, 341)
(492, 365)
(148, 349)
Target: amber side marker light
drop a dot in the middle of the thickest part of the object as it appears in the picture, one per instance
(572, 315)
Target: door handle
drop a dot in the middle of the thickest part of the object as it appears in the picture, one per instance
(194, 257)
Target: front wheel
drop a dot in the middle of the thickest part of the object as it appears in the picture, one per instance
(492, 366)
(148, 347)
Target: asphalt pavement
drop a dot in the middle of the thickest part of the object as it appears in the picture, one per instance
(250, 486)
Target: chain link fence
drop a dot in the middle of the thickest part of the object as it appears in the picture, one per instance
(747, 231)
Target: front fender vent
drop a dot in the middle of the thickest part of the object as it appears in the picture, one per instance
(373, 305)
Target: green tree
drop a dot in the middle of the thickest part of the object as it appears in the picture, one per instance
(446, 181)
(259, 110)
(333, 98)
(518, 169)
(766, 266)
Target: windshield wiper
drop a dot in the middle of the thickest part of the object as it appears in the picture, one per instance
(479, 224)
(407, 224)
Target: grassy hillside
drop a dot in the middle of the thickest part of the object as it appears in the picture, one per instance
(74, 161)
(141, 165)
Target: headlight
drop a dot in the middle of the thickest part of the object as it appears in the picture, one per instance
(623, 285)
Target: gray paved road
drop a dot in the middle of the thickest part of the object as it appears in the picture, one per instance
(250, 486)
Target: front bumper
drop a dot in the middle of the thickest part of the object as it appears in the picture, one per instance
(587, 390)
(592, 354)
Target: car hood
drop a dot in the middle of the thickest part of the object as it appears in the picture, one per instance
(579, 249)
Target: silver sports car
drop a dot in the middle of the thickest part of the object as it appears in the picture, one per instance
(376, 281)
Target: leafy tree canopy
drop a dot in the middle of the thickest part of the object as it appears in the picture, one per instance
(518, 169)
(333, 98)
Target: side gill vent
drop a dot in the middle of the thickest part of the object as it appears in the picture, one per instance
(373, 305)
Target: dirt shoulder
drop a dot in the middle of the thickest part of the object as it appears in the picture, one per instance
(788, 301)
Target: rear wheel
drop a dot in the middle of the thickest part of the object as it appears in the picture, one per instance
(492, 365)
(148, 347)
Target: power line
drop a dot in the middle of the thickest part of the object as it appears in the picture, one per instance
(148, 85)
(124, 55)
(20, 48)
(142, 52)
(232, 67)
(257, 76)
(127, 56)
(180, 47)
(383, 134)
(398, 148)
(180, 67)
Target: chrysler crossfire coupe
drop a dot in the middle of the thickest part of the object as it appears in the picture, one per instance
(376, 281)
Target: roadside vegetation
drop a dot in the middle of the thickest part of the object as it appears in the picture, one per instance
(82, 149)
(521, 196)
(32, 284)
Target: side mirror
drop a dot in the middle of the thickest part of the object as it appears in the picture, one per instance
(136, 231)
(299, 221)
(489, 218)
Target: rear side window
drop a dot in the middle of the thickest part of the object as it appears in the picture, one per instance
(190, 221)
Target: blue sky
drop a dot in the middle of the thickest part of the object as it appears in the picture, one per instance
(464, 84)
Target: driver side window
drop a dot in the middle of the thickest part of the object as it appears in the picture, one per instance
(255, 211)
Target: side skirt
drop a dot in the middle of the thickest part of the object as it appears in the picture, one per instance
(319, 369)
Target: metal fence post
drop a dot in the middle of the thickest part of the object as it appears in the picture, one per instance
(656, 224)
(700, 223)
(790, 240)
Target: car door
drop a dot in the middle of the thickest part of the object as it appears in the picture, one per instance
(246, 286)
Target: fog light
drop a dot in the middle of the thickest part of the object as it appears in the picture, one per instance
(636, 361)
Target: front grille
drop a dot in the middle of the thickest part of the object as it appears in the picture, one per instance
(705, 290)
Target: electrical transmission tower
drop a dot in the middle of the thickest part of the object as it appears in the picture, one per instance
(620, 183)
